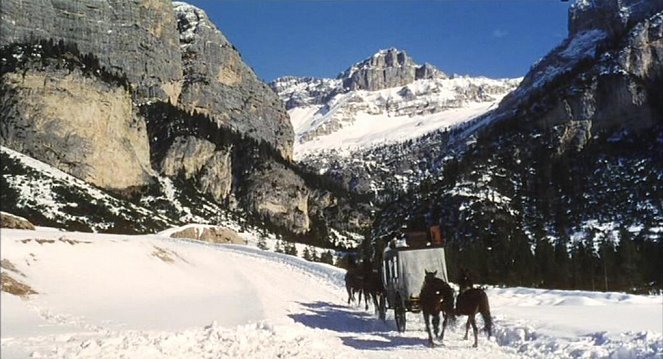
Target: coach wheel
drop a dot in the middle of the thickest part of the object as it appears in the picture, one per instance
(382, 308)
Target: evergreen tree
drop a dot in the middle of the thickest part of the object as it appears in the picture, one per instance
(262, 243)
(307, 254)
(327, 257)
(628, 259)
(289, 248)
(562, 271)
(293, 249)
(607, 256)
(544, 256)
(278, 247)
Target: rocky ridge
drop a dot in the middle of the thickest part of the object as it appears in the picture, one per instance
(158, 101)
(384, 141)
(385, 69)
(218, 83)
(169, 52)
(387, 89)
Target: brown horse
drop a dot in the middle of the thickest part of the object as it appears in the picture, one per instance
(470, 302)
(353, 284)
(372, 287)
(436, 295)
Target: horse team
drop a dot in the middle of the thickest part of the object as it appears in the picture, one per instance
(367, 282)
(436, 297)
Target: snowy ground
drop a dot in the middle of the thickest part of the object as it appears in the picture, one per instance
(112, 296)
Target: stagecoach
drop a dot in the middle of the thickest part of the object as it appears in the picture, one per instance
(403, 266)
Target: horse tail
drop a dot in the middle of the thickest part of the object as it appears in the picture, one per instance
(484, 309)
(448, 304)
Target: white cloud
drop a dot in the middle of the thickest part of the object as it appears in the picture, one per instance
(499, 33)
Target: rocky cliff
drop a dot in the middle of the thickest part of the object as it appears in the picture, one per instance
(149, 100)
(387, 68)
(612, 17)
(387, 98)
(217, 82)
(137, 38)
(603, 77)
(168, 52)
(55, 122)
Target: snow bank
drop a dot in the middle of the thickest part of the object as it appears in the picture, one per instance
(110, 296)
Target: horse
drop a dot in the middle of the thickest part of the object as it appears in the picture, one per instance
(372, 288)
(436, 295)
(353, 284)
(471, 301)
(465, 279)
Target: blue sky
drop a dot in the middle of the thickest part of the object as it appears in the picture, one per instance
(495, 38)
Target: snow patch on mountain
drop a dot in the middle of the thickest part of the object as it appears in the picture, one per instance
(328, 117)
(56, 194)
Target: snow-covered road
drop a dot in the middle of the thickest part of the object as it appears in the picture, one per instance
(110, 296)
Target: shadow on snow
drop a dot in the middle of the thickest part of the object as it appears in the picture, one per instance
(364, 331)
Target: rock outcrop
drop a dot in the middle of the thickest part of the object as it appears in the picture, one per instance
(11, 221)
(200, 160)
(137, 38)
(210, 234)
(278, 193)
(81, 125)
(387, 68)
(218, 83)
(612, 16)
(605, 76)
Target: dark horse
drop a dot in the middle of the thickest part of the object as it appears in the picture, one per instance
(373, 289)
(353, 284)
(364, 280)
(435, 296)
(470, 302)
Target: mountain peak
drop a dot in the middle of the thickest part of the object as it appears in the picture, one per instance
(611, 16)
(391, 57)
(386, 68)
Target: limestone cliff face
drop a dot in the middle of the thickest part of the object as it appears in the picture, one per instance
(137, 38)
(199, 159)
(388, 68)
(218, 83)
(611, 16)
(605, 76)
(80, 125)
(169, 54)
(278, 193)
(79, 77)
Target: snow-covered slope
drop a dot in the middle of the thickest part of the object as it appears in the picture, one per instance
(111, 296)
(358, 110)
(48, 196)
